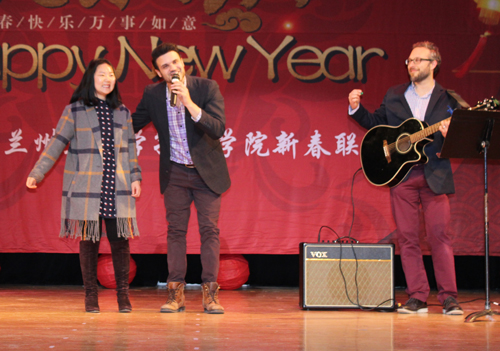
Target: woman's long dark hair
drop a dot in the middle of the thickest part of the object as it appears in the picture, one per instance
(86, 89)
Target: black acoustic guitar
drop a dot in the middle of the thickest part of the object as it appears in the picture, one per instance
(389, 153)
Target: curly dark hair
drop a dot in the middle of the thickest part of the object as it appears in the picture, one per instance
(161, 50)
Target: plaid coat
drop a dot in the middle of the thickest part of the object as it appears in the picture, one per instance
(79, 126)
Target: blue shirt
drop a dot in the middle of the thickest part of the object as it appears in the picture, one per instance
(418, 104)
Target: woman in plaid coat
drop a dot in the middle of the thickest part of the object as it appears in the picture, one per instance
(101, 179)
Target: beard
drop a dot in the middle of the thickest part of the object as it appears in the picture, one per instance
(420, 76)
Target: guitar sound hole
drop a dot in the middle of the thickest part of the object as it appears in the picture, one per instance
(403, 144)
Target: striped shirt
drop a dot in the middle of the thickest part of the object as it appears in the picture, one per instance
(418, 104)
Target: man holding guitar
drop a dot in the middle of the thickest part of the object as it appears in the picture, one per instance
(419, 177)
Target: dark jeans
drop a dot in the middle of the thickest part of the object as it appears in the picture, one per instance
(184, 187)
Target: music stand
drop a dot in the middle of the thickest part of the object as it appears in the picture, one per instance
(459, 144)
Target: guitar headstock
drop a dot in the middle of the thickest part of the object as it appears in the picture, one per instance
(487, 104)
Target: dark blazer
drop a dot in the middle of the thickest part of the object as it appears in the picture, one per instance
(203, 136)
(394, 110)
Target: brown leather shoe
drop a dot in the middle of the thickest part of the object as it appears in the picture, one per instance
(175, 302)
(451, 307)
(211, 298)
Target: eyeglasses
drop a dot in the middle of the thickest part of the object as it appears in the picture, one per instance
(416, 60)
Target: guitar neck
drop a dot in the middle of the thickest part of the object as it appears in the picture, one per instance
(416, 137)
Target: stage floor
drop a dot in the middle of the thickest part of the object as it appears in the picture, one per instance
(53, 317)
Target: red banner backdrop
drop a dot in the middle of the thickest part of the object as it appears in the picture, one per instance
(285, 69)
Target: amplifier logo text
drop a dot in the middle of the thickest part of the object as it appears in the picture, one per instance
(319, 254)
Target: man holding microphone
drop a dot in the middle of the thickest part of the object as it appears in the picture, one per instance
(188, 114)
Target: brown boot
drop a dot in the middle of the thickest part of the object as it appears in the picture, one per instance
(120, 254)
(88, 264)
(211, 298)
(175, 302)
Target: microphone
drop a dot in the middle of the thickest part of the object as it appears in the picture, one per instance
(173, 96)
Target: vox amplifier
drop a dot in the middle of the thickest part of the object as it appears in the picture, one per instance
(339, 276)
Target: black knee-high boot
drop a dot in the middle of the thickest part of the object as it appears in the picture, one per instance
(88, 264)
(120, 253)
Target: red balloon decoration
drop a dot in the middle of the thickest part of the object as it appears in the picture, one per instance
(233, 272)
(106, 272)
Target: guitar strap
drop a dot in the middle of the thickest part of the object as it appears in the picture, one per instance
(459, 99)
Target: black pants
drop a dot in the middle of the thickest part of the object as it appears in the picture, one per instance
(111, 230)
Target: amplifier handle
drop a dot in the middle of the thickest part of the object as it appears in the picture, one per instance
(346, 240)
